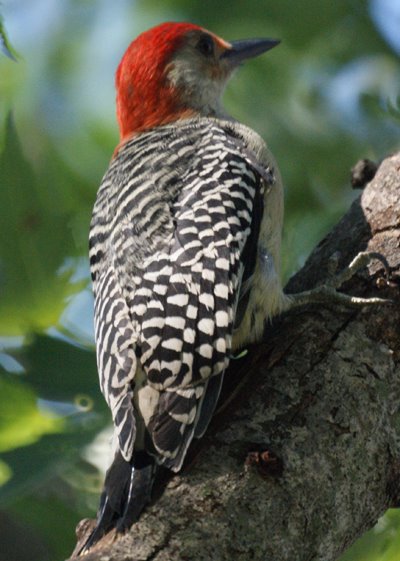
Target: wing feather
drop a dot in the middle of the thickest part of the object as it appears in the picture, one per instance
(177, 232)
(116, 357)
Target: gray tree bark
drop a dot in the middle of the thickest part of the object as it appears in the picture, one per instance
(322, 392)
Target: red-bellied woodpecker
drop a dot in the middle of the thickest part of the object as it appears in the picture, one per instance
(184, 252)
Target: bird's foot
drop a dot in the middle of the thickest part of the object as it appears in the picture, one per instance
(327, 293)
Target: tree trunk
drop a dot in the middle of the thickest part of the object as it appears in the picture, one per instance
(317, 407)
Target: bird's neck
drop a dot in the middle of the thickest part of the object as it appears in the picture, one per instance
(137, 111)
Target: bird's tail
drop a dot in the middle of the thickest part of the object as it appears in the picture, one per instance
(127, 490)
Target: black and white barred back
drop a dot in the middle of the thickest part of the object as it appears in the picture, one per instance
(173, 237)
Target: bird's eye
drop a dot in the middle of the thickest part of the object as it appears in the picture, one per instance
(206, 45)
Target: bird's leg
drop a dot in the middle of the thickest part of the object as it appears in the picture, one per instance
(327, 293)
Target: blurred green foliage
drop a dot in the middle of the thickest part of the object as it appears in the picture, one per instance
(35, 214)
(5, 46)
(325, 98)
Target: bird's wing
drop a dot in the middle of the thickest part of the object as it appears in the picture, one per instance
(178, 248)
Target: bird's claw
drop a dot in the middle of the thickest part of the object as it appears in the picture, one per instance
(327, 292)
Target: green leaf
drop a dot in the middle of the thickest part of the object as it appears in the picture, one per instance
(59, 377)
(393, 109)
(68, 367)
(5, 45)
(30, 424)
(49, 516)
(35, 240)
(382, 543)
(5, 473)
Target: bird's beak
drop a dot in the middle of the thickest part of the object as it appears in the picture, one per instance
(247, 48)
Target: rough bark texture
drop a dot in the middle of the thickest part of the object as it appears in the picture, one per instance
(322, 393)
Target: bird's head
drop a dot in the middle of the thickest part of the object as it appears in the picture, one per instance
(174, 71)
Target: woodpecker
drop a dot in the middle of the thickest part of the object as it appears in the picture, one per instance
(184, 253)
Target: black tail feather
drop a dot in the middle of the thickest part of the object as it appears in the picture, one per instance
(139, 490)
(127, 490)
(104, 524)
(117, 482)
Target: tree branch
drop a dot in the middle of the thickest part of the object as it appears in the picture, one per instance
(322, 394)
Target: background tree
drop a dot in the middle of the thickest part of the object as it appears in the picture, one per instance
(322, 100)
